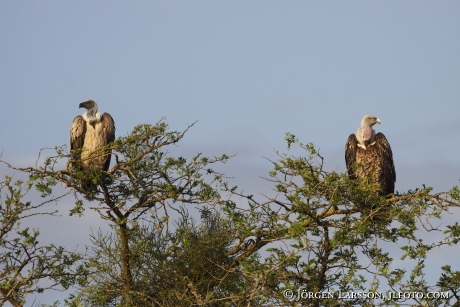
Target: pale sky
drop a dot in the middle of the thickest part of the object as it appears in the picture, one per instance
(247, 71)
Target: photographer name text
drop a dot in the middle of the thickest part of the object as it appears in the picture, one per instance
(302, 294)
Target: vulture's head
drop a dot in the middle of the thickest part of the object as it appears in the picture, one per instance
(89, 105)
(369, 121)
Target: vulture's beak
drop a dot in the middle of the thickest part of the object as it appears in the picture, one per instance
(378, 120)
(81, 105)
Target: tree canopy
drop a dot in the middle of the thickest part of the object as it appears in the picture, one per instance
(183, 235)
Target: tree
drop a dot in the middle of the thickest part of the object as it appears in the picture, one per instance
(320, 239)
(26, 266)
(144, 180)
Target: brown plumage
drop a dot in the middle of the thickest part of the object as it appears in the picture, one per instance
(91, 132)
(373, 154)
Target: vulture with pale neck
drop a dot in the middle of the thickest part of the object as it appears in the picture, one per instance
(372, 153)
(91, 132)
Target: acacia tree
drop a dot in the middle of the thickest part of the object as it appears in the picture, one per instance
(318, 232)
(322, 232)
(145, 181)
(26, 266)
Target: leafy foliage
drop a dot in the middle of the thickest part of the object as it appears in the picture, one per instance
(323, 232)
(24, 262)
(318, 232)
(186, 267)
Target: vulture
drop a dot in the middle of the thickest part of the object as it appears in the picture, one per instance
(91, 132)
(373, 154)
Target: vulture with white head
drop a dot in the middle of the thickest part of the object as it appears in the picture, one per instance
(91, 132)
(373, 154)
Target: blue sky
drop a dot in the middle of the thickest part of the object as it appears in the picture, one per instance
(247, 71)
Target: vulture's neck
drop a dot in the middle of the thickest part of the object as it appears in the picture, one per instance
(366, 136)
(92, 117)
